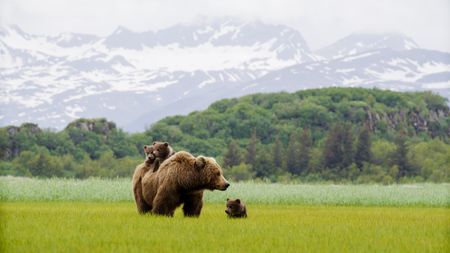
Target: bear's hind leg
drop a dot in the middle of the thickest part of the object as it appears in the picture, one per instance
(165, 203)
(141, 205)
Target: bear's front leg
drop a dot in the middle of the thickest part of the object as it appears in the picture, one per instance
(193, 203)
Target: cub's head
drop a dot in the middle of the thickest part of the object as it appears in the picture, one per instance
(148, 150)
(162, 149)
(234, 207)
(211, 172)
(158, 150)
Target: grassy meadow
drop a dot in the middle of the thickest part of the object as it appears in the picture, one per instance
(98, 215)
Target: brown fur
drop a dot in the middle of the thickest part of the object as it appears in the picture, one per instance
(236, 209)
(155, 154)
(181, 179)
(136, 182)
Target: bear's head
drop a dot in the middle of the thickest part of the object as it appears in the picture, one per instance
(234, 207)
(212, 173)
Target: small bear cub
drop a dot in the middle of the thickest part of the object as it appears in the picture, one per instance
(236, 209)
(157, 153)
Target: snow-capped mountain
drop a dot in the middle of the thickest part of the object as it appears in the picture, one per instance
(408, 70)
(137, 78)
(361, 42)
(52, 80)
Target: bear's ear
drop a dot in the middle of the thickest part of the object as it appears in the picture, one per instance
(166, 144)
(200, 162)
(228, 199)
(145, 147)
(238, 201)
(154, 142)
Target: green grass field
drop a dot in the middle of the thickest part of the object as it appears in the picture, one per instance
(96, 215)
(115, 227)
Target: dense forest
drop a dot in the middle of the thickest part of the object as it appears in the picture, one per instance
(332, 134)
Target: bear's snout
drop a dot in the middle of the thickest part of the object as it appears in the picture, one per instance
(223, 187)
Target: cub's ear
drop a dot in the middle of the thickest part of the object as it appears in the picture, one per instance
(238, 201)
(166, 144)
(154, 143)
(228, 199)
(145, 147)
(200, 162)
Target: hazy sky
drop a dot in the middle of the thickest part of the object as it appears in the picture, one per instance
(321, 22)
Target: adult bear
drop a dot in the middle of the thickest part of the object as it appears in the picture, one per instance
(181, 179)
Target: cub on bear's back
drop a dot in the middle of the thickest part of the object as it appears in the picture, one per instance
(181, 179)
(154, 156)
(158, 152)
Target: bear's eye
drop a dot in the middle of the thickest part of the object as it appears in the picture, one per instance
(218, 173)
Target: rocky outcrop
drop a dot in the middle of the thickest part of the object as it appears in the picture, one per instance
(12, 149)
(98, 126)
(420, 122)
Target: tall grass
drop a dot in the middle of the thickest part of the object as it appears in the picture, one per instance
(119, 190)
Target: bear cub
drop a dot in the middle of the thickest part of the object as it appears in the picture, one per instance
(236, 209)
(157, 153)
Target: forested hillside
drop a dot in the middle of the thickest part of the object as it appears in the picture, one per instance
(338, 134)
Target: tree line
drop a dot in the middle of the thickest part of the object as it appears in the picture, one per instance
(336, 134)
(343, 156)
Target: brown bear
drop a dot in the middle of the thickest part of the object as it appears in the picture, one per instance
(154, 156)
(181, 179)
(236, 209)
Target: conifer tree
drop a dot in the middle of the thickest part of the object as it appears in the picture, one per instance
(401, 159)
(292, 164)
(305, 150)
(332, 152)
(346, 141)
(362, 153)
(233, 155)
(251, 149)
(338, 149)
(277, 153)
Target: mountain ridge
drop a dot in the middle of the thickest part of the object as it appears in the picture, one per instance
(360, 42)
(52, 80)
